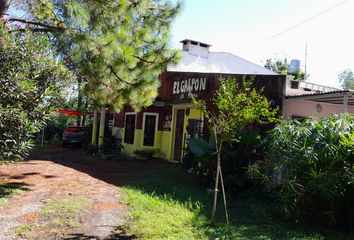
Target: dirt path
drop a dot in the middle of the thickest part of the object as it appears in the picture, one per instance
(58, 174)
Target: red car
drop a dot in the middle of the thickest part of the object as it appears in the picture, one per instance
(74, 136)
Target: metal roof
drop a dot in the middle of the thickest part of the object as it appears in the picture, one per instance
(333, 97)
(218, 62)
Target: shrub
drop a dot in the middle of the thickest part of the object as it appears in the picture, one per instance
(112, 146)
(235, 158)
(315, 160)
(31, 82)
(55, 127)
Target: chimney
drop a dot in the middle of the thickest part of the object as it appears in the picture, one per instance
(196, 48)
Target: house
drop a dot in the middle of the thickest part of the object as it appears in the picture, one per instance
(316, 101)
(167, 125)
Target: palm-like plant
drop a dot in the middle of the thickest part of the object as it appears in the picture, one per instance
(315, 160)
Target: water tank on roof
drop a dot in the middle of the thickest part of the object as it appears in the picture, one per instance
(294, 65)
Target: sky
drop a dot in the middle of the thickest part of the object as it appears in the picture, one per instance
(260, 29)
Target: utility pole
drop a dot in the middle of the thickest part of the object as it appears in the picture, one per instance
(305, 61)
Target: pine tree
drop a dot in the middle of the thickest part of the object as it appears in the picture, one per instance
(118, 46)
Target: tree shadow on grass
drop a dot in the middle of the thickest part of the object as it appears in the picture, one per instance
(7, 190)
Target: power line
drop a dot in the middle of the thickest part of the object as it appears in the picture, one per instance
(298, 24)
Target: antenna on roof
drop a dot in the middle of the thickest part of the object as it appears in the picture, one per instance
(305, 60)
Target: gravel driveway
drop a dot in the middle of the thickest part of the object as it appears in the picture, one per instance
(53, 174)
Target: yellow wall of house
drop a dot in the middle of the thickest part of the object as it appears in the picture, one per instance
(164, 140)
(165, 144)
(162, 144)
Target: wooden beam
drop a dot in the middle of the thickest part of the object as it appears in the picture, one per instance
(102, 123)
(94, 129)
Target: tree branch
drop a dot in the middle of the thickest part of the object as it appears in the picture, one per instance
(34, 23)
(43, 30)
(144, 60)
(116, 75)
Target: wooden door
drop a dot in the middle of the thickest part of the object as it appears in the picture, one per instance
(179, 135)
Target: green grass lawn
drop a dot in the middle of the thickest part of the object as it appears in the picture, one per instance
(168, 204)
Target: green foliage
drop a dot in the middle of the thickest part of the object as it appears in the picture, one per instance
(346, 79)
(282, 66)
(204, 154)
(119, 46)
(31, 83)
(278, 65)
(200, 147)
(236, 158)
(56, 125)
(112, 145)
(234, 107)
(316, 163)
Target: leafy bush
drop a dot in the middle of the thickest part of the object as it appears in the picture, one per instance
(14, 126)
(31, 82)
(315, 162)
(55, 127)
(112, 146)
(235, 158)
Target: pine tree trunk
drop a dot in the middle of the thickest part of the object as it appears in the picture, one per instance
(79, 101)
(84, 113)
(4, 5)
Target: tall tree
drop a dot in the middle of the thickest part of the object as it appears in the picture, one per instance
(119, 46)
(234, 107)
(346, 79)
(31, 83)
(4, 4)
